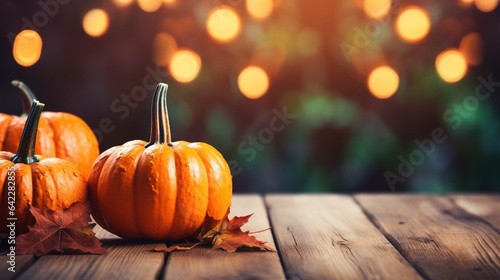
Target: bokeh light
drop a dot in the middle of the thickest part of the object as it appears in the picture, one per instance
(486, 5)
(413, 24)
(95, 22)
(471, 46)
(122, 3)
(259, 9)
(253, 82)
(223, 24)
(149, 6)
(27, 48)
(185, 65)
(376, 8)
(451, 65)
(164, 47)
(383, 82)
(170, 2)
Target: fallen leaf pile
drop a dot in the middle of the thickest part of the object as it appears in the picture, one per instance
(67, 231)
(224, 234)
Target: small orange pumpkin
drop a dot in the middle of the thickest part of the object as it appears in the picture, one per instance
(160, 190)
(61, 135)
(28, 179)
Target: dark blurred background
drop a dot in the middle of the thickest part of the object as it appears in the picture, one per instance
(299, 96)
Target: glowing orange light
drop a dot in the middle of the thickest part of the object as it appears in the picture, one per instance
(223, 24)
(486, 5)
(27, 48)
(471, 46)
(376, 8)
(383, 82)
(253, 82)
(259, 9)
(169, 2)
(164, 47)
(122, 3)
(95, 22)
(413, 24)
(185, 65)
(451, 65)
(149, 6)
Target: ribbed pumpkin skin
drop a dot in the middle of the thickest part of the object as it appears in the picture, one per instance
(60, 135)
(161, 192)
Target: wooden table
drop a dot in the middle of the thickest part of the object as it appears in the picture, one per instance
(328, 236)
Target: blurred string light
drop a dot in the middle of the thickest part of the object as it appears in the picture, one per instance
(376, 8)
(383, 82)
(486, 5)
(223, 24)
(149, 6)
(270, 56)
(185, 65)
(95, 22)
(170, 2)
(259, 9)
(471, 46)
(164, 47)
(253, 82)
(27, 48)
(122, 3)
(413, 24)
(451, 65)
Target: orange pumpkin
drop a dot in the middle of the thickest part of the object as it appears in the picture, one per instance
(159, 190)
(61, 135)
(29, 179)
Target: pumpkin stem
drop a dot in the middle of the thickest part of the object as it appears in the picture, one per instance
(160, 125)
(27, 96)
(26, 151)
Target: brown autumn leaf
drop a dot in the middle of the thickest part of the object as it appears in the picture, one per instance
(176, 247)
(224, 234)
(230, 237)
(61, 231)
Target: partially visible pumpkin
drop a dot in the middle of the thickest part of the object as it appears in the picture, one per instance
(160, 189)
(28, 179)
(61, 135)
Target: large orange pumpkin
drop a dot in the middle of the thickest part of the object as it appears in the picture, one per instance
(61, 135)
(29, 179)
(159, 190)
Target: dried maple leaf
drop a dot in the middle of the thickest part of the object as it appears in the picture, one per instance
(224, 234)
(61, 231)
(230, 237)
(176, 247)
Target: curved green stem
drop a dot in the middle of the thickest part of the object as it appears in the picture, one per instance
(160, 125)
(27, 96)
(26, 151)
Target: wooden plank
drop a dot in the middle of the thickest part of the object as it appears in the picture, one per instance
(440, 239)
(329, 237)
(124, 260)
(205, 263)
(485, 206)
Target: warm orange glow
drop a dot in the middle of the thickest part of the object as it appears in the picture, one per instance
(185, 65)
(486, 5)
(413, 24)
(270, 56)
(169, 2)
(164, 47)
(223, 24)
(149, 6)
(122, 3)
(376, 8)
(259, 9)
(253, 82)
(95, 22)
(27, 48)
(383, 82)
(451, 65)
(471, 47)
